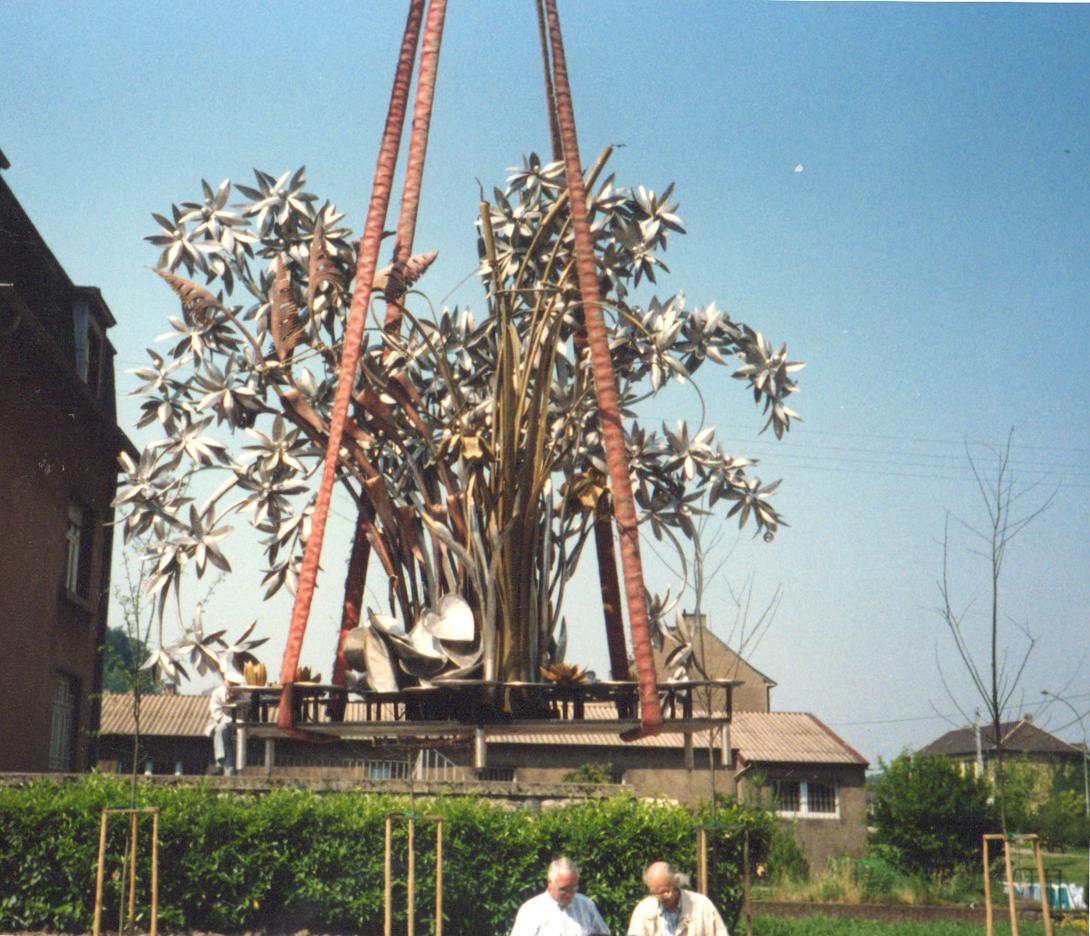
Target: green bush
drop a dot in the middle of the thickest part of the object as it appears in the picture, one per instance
(787, 861)
(878, 879)
(289, 859)
(591, 773)
(929, 814)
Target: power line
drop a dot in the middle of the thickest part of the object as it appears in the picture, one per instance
(918, 475)
(947, 715)
(921, 440)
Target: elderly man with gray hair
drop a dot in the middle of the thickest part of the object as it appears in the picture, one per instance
(670, 910)
(561, 910)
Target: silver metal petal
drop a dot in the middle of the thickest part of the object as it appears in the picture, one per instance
(452, 619)
(381, 675)
(424, 641)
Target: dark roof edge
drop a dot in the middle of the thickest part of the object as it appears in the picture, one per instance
(25, 315)
(95, 295)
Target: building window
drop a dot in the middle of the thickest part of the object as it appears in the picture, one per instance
(787, 794)
(78, 535)
(821, 798)
(63, 730)
(72, 536)
(805, 798)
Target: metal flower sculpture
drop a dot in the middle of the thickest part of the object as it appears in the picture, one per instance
(474, 450)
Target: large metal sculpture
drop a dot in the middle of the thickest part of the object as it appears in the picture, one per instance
(481, 452)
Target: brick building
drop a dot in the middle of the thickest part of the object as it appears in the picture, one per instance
(58, 475)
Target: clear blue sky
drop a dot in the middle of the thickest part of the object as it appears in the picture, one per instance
(929, 261)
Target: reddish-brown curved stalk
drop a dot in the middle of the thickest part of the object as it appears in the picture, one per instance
(353, 592)
(624, 507)
(550, 95)
(611, 590)
(350, 357)
(406, 233)
(418, 148)
(603, 528)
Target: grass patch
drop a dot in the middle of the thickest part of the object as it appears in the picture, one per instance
(875, 880)
(818, 925)
(1072, 864)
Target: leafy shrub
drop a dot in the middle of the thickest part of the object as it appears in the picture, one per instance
(592, 773)
(290, 859)
(877, 878)
(929, 814)
(787, 861)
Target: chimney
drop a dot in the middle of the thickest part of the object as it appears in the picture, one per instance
(170, 689)
(695, 621)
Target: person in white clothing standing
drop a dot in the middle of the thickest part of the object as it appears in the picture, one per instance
(220, 722)
(561, 910)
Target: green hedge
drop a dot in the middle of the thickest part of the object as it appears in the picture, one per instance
(291, 859)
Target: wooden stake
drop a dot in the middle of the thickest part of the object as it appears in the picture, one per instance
(98, 877)
(128, 868)
(154, 925)
(411, 873)
(987, 890)
(388, 893)
(702, 860)
(1044, 887)
(410, 884)
(132, 871)
(745, 883)
(439, 878)
(1010, 886)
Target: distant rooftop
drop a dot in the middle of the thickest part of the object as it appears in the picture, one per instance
(1019, 737)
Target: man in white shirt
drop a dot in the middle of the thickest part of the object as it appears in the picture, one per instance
(669, 910)
(220, 722)
(561, 910)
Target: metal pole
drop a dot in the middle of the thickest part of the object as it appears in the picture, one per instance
(979, 746)
(480, 749)
(241, 741)
(270, 755)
